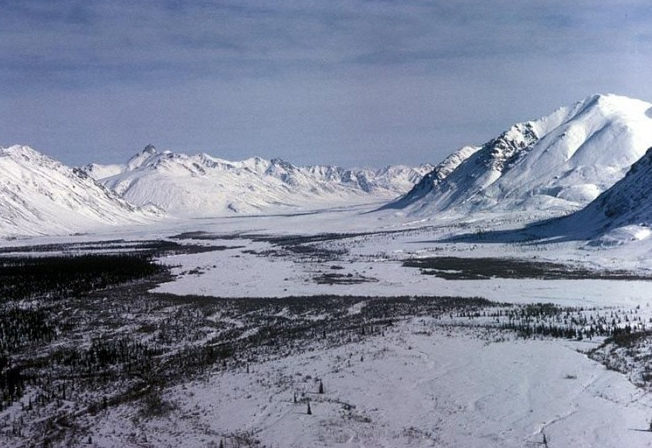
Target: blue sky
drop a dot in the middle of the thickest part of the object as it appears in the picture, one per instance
(347, 82)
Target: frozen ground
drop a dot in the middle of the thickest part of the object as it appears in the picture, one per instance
(418, 381)
(416, 385)
(264, 264)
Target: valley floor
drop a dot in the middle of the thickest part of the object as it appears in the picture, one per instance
(418, 384)
(407, 350)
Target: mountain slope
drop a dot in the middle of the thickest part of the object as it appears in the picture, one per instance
(39, 195)
(629, 201)
(557, 164)
(621, 213)
(202, 185)
(434, 177)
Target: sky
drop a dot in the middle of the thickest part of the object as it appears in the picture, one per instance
(353, 83)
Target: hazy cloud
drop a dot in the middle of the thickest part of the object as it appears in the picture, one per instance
(352, 82)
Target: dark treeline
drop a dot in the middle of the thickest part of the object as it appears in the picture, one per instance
(20, 327)
(35, 311)
(57, 277)
(453, 268)
(81, 334)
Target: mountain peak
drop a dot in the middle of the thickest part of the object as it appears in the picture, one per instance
(203, 185)
(150, 149)
(24, 155)
(611, 104)
(554, 164)
(39, 195)
(280, 164)
(143, 157)
(16, 150)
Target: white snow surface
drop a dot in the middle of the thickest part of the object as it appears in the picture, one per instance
(420, 383)
(417, 385)
(39, 195)
(627, 203)
(202, 185)
(618, 216)
(377, 260)
(558, 163)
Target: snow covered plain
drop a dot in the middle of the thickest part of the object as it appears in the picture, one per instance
(416, 385)
(416, 380)
(368, 251)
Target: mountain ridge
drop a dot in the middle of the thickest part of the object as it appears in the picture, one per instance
(591, 156)
(620, 214)
(39, 195)
(557, 163)
(203, 185)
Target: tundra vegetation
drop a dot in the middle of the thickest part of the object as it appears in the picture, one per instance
(80, 334)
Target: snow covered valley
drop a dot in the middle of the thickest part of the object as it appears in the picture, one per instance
(502, 298)
(331, 328)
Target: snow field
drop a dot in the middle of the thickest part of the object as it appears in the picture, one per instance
(417, 385)
(240, 273)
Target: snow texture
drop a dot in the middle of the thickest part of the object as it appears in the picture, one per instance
(415, 386)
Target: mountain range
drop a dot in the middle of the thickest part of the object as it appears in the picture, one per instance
(620, 214)
(588, 162)
(39, 195)
(555, 165)
(202, 185)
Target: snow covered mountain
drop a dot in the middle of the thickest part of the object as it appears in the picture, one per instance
(621, 213)
(202, 185)
(629, 201)
(39, 195)
(556, 164)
